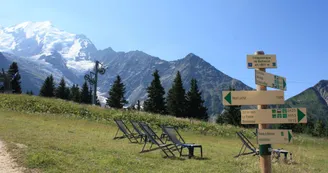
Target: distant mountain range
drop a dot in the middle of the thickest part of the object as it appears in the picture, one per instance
(41, 49)
(315, 99)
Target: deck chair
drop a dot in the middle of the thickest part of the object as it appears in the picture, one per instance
(126, 132)
(246, 145)
(254, 151)
(139, 133)
(155, 140)
(180, 143)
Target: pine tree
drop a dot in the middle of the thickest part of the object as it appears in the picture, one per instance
(48, 87)
(29, 92)
(138, 105)
(90, 95)
(15, 78)
(318, 129)
(75, 93)
(116, 94)
(176, 98)
(195, 103)
(61, 90)
(155, 102)
(97, 101)
(67, 93)
(85, 95)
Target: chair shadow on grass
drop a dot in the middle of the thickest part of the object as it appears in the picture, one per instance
(186, 158)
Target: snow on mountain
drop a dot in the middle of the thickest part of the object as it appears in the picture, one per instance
(34, 39)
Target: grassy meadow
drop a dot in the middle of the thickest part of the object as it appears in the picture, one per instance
(49, 135)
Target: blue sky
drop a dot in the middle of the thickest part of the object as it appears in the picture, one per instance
(221, 32)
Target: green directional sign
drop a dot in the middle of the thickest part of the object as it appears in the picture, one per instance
(274, 116)
(270, 80)
(274, 136)
(252, 97)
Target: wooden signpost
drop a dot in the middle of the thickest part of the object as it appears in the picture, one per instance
(263, 116)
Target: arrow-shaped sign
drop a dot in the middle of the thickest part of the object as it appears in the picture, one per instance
(289, 136)
(228, 98)
(252, 97)
(274, 116)
(270, 80)
(274, 136)
(300, 115)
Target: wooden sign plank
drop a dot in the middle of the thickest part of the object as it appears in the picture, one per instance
(261, 61)
(274, 136)
(274, 116)
(252, 97)
(270, 80)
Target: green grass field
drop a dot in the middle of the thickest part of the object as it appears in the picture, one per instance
(65, 144)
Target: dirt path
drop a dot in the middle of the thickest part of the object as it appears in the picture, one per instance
(7, 164)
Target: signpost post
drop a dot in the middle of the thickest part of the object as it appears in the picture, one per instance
(262, 63)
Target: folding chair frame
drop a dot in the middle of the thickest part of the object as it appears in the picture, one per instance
(182, 144)
(126, 132)
(139, 134)
(151, 136)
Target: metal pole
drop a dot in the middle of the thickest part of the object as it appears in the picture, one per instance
(95, 84)
(265, 150)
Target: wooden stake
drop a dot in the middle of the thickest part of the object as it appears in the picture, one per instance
(265, 160)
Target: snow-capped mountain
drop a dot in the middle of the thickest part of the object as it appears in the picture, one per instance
(42, 49)
(36, 39)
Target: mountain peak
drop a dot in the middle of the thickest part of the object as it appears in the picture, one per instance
(193, 58)
(28, 25)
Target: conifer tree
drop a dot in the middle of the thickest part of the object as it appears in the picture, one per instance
(318, 129)
(97, 101)
(61, 90)
(15, 78)
(195, 103)
(176, 98)
(85, 95)
(67, 93)
(138, 105)
(90, 95)
(75, 93)
(29, 92)
(48, 87)
(155, 102)
(116, 94)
